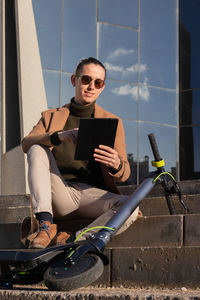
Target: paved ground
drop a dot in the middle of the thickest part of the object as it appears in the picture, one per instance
(41, 293)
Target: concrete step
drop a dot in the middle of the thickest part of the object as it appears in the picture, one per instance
(187, 187)
(137, 267)
(146, 231)
(157, 250)
(156, 225)
(155, 267)
(33, 293)
(162, 231)
(15, 208)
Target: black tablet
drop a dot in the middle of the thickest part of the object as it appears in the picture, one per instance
(92, 133)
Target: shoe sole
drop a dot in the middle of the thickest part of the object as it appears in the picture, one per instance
(39, 246)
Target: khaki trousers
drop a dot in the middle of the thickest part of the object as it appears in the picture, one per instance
(51, 193)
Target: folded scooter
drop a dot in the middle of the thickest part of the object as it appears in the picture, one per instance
(80, 263)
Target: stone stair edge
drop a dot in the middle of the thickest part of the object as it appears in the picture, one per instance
(18, 218)
(188, 187)
(12, 200)
(169, 268)
(108, 293)
(162, 231)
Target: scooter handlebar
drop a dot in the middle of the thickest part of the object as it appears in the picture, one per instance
(154, 147)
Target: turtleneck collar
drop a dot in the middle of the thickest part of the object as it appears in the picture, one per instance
(81, 110)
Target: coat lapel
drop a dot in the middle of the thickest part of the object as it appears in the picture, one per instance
(58, 119)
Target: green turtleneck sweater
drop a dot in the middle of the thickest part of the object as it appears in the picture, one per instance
(77, 170)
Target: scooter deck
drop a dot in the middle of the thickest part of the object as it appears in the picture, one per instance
(26, 265)
(23, 255)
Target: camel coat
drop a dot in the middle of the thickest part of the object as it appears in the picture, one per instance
(54, 119)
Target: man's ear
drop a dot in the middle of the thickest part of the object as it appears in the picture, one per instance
(73, 80)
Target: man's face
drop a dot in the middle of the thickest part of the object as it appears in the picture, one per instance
(88, 93)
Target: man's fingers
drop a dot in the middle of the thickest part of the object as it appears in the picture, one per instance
(107, 156)
(69, 135)
(106, 148)
(102, 152)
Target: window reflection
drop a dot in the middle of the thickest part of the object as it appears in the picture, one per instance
(166, 140)
(51, 81)
(79, 32)
(67, 90)
(158, 105)
(120, 98)
(119, 12)
(118, 51)
(48, 24)
(189, 43)
(159, 42)
(190, 152)
(189, 100)
(113, 38)
(190, 107)
(184, 58)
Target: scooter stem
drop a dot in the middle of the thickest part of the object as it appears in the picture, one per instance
(104, 235)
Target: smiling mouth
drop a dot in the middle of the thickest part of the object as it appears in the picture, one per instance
(89, 94)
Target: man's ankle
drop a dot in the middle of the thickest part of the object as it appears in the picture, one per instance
(44, 216)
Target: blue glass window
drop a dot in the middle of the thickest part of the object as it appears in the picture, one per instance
(79, 32)
(166, 137)
(120, 99)
(51, 81)
(48, 24)
(189, 43)
(158, 105)
(190, 107)
(190, 152)
(119, 12)
(196, 134)
(67, 90)
(159, 41)
(118, 51)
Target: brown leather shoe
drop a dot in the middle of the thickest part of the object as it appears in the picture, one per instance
(63, 237)
(44, 237)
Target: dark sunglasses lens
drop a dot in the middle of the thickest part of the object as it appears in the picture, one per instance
(99, 83)
(86, 79)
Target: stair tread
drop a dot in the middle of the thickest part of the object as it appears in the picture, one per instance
(35, 291)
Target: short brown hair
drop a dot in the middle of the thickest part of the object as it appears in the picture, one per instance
(87, 61)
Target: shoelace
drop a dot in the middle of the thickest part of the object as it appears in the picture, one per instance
(46, 228)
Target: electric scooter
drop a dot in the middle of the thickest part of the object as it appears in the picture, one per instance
(79, 263)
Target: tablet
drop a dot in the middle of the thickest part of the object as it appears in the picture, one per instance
(92, 133)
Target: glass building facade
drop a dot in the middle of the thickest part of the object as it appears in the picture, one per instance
(150, 49)
(189, 62)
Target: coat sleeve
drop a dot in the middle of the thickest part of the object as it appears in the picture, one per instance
(38, 135)
(120, 146)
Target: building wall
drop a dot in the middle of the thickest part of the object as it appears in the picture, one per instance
(22, 90)
(137, 40)
(151, 51)
(189, 62)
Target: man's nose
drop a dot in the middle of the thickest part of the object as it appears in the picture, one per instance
(91, 85)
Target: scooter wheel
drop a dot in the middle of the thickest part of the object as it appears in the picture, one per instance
(58, 277)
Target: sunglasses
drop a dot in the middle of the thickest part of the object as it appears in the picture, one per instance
(86, 79)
